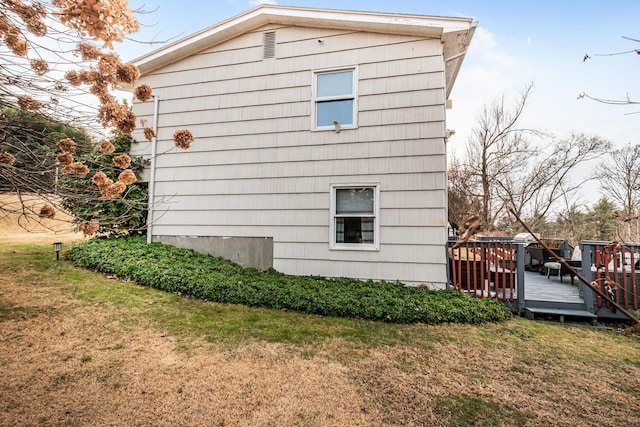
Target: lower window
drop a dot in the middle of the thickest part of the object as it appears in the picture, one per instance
(354, 216)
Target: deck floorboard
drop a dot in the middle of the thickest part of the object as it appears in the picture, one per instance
(539, 287)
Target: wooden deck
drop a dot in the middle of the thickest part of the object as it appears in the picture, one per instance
(489, 269)
(550, 290)
(549, 297)
(540, 288)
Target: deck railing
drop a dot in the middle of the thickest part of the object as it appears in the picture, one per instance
(489, 269)
(615, 269)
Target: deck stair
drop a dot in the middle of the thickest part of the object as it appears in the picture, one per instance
(549, 298)
(561, 314)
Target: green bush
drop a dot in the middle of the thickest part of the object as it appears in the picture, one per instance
(215, 279)
(125, 214)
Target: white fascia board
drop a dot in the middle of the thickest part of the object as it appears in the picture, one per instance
(367, 21)
(419, 25)
(198, 41)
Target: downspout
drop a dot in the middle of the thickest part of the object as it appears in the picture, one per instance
(152, 171)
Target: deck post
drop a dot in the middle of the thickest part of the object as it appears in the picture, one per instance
(587, 260)
(520, 276)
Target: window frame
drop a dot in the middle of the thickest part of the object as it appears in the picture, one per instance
(315, 99)
(333, 244)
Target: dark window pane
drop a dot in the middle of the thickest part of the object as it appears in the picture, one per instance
(354, 230)
(340, 111)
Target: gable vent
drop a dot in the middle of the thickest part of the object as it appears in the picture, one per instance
(269, 44)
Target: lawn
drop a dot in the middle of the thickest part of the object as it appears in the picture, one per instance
(80, 348)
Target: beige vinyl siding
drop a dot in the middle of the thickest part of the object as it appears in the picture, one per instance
(227, 65)
(298, 112)
(293, 105)
(418, 133)
(293, 169)
(265, 76)
(208, 153)
(302, 185)
(392, 254)
(258, 89)
(419, 273)
(312, 234)
(296, 217)
(257, 170)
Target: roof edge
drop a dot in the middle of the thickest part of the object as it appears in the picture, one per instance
(392, 23)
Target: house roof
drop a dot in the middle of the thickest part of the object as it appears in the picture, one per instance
(454, 32)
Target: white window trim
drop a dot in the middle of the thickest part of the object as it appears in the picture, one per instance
(314, 99)
(375, 246)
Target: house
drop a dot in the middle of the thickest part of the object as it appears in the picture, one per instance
(319, 141)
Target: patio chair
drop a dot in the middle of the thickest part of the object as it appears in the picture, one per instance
(540, 255)
(575, 263)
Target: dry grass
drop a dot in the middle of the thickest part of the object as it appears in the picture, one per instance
(19, 221)
(66, 360)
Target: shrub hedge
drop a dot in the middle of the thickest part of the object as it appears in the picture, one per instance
(210, 278)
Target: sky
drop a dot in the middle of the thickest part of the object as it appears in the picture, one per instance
(517, 42)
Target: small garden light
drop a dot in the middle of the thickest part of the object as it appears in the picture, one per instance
(57, 247)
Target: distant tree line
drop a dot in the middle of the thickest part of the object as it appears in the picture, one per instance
(507, 166)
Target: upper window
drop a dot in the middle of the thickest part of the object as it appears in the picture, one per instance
(335, 99)
(354, 213)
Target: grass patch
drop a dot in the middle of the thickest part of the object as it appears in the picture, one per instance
(190, 318)
(230, 324)
(468, 411)
(14, 312)
(135, 343)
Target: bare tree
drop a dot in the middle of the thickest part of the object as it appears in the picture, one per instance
(546, 181)
(619, 176)
(460, 202)
(619, 101)
(508, 166)
(571, 223)
(498, 147)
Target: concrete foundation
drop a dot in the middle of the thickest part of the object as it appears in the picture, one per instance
(255, 252)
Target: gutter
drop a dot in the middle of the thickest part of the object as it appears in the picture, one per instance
(152, 171)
